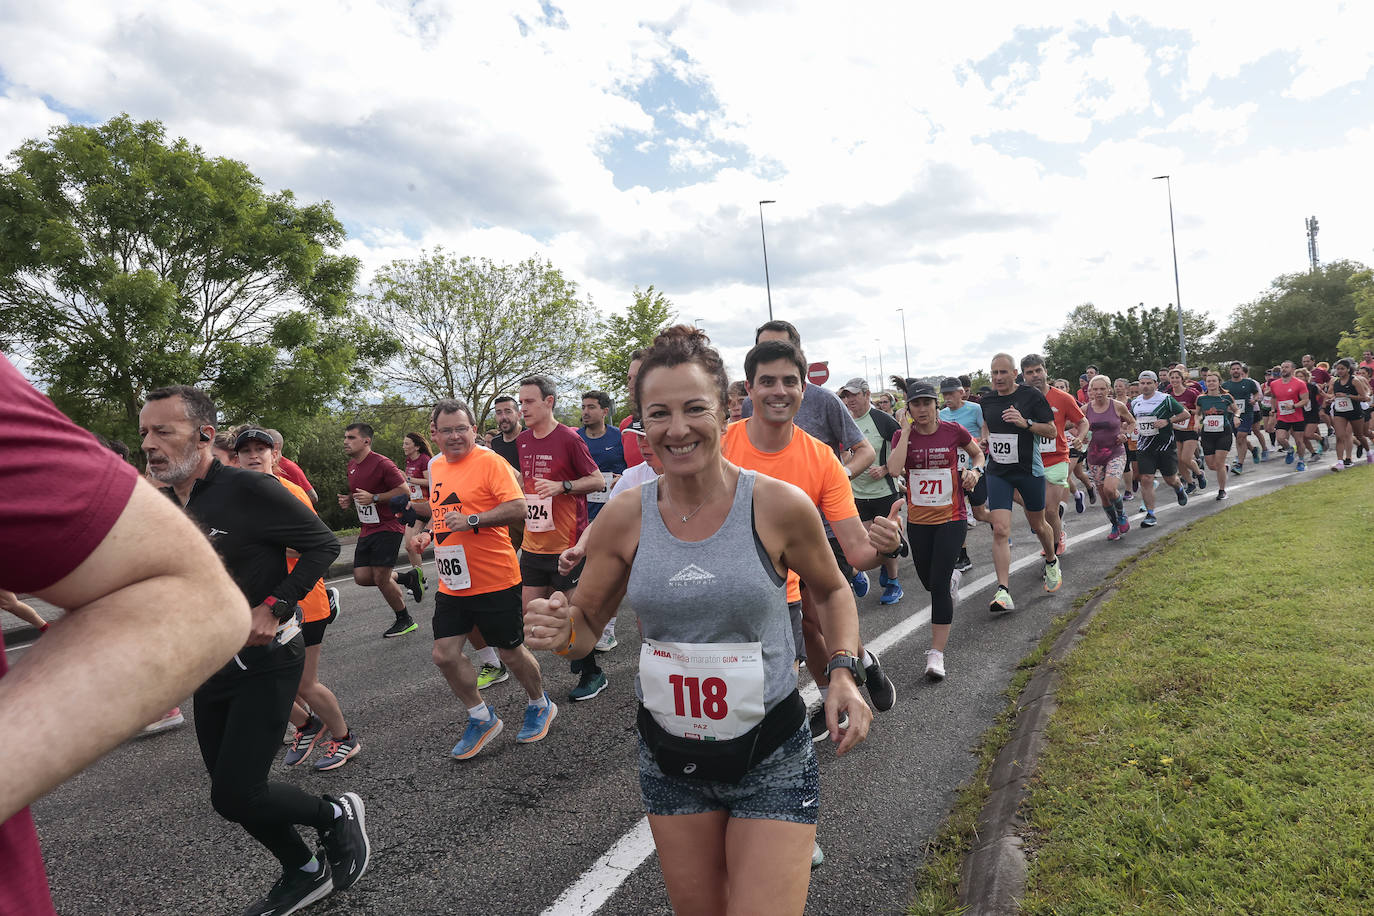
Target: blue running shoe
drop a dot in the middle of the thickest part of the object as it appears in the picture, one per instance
(1182, 496)
(860, 583)
(1202, 481)
(1288, 456)
(1149, 521)
(476, 735)
(883, 580)
(892, 592)
(537, 719)
(1302, 465)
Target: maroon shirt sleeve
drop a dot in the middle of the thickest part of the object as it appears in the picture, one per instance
(63, 489)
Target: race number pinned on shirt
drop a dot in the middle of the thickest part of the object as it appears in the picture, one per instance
(452, 562)
(1145, 428)
(1005, 448)
(930, 487)
(965, 462)
(600, 496)
(538, 512)
(368, 514)
(1285, 407)
(416, 493)
(1046, 445)
(1342, 405)
(709, 691)
(1183, 425)
(1214, 423)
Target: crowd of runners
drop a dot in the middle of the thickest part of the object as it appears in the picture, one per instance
(739, 520)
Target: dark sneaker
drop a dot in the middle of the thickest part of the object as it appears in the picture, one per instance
(303, 742)
(294, 891)
(345, 842)
(1182, 496)
(963, 564)
(1202, 481)
(817, 724)
(338, 752)
(411, 580)
(880, 688)
(1092, 495)
(588, 685)
(1149, 521)
(1221, 494)
(1190, 488)
(1078, 505)
(404, 624)
(859, 583)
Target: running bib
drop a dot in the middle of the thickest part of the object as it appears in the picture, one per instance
(1182, 424)
(1146, 429)
(1214, 423)
(965, 462)
(1285, 406)
(538, 512)
(1005, 448)
(1342, 404)
(930, 487)
(416, 493)
(1045, 445)
(600, 496)
(1267, 402)
(368, 514)
(709, 691)
(452, 563)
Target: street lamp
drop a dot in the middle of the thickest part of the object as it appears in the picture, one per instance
(766, 283)
(882, 379)
(1178, 297)
(904, 349)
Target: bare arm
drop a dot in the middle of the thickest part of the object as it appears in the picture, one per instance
(152, 614)
(582, 485)
(896, 457)
(861, 458)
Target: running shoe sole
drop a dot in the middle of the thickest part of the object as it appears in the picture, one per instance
(392, 632)
(481, 742)
(997, 607)
(343, 881)
(334, 761)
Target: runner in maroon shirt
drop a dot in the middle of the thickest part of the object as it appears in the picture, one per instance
(417, 459)
(373, 481)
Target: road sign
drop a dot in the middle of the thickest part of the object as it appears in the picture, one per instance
(817, 373)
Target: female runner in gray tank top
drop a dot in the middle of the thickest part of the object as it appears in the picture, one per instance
(701, 553)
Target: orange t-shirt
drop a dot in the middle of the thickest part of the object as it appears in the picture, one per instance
(1066, 411)
(806, 463)
(483, 559)
(315, 604)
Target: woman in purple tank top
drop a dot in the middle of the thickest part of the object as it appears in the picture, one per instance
(1109, 425)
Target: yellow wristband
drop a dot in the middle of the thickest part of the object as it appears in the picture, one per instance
(572, 638)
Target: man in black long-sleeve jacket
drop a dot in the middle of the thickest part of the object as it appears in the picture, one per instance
(241, 711)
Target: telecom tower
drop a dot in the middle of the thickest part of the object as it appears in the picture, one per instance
(1312, 243)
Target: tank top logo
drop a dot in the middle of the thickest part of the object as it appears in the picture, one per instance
(691, 575)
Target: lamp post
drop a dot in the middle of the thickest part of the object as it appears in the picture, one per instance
(882, 379)
(905, 351)
(766, 283)
(1178, 297)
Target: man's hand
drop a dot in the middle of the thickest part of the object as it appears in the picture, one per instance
(264, 626)
(362, 497)
(570, 558)
(1013, 416)
(968, 479)
(548, 623)
(877, 472)
(546, 488)
(844, 697)
(344, 500)
(420, 541)
(885, 533)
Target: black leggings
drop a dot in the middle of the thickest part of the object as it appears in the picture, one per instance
(934, 550)
(239, 724)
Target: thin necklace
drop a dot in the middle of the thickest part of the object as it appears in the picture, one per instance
(688, 516)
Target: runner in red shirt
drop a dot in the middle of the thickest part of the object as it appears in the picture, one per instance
(631, 443)
(1054, 453)
(373, 481)
(1185, 436)
(1290, 402)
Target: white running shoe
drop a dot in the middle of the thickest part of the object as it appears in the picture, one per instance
(935, 665)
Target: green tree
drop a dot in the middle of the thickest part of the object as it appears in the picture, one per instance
(127, 263)
(620, 335)
(1123, 343)
(1361, 337)
(1299, 313)
(473, 328)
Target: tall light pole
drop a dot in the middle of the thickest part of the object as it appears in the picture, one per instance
(882, 379)
(766, 283)
(1178, 297)
(904, 349)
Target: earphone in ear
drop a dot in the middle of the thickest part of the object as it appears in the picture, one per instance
(203, 437)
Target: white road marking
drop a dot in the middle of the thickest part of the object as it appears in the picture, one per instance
(598, 883)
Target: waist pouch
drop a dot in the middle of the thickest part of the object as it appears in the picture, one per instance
(721, 761)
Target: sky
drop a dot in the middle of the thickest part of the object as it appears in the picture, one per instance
(982, 167)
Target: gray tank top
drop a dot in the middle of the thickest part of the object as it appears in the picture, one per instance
(720, 590)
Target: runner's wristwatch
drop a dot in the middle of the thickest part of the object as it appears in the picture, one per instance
(567, 487)
(473, 522)
(855, 667)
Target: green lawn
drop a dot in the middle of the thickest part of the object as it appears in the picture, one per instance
(1212, 750)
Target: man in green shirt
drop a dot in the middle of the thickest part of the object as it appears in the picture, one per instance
(874, 489)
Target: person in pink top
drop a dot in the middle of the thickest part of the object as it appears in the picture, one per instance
(1290, 401)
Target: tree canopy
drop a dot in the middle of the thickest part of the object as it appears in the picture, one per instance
(127, 263)
(1299, 313)
(620, 335)
(1123, 343)
(472, 328)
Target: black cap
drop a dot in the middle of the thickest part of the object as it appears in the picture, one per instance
(950, 384)
(916, 390)
(636, 427)
(986, 389)
(254, 435)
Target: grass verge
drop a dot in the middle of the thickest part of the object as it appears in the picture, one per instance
(1210, 753)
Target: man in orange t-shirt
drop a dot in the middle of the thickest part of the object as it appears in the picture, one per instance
(473, 497)
(1054, 453)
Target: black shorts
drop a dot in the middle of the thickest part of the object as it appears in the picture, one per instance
(314, 632)
(496, 615)
(869, 509)
(538, 570)
(1185, 435)
(1076, 454)
(1131, 456)
(1293, 426)
(380, 548)
(1352, 416)
(1215, 442)
(978, 496)
(1165, 462)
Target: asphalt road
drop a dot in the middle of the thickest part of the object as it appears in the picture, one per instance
(513, 830)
